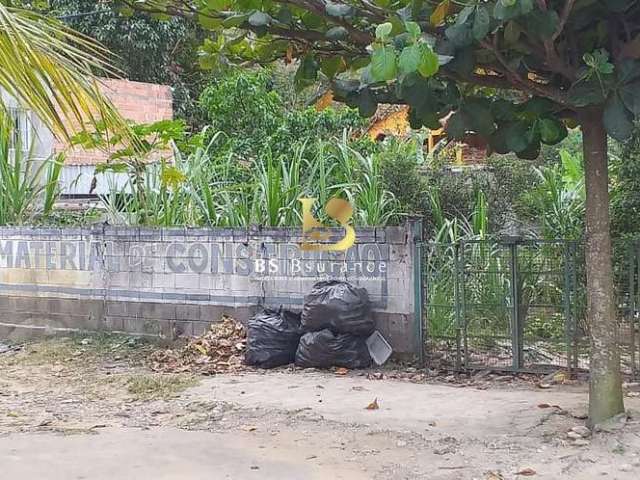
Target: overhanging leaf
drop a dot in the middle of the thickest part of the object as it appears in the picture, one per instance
(337, 33)
(481, 23)
(512, 32)
(503, 110)
(332, 66)
(479, 117)
(628, 70)
(619, 6)
(460, 35)
(587, 92)
(508, 9)
(409, 59)
(465, 14)
(617, 119)
(285, 16)
(498, 141)
(366, 103)
(463, 62)
(530, 153)
(339, 10)
(218, 5)
(312, 21)
(456, 126)
(235, 20)
(542, 24)
(383, 64)
(209, 23)
(413, 29)
(307, 71)
(551, 130)
(440, 13)
(516, 136)
(383, 30)
(538, 106)
(429, 63)
(631, 98)
(259, 19)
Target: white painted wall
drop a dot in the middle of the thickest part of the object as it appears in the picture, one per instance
(77, 180)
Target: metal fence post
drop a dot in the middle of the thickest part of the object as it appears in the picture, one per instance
(568, 324)
(415, 227)
(457, 305)
(516, 330)
(418, 302)
(463, 307)
(633, 259)
(574, 294)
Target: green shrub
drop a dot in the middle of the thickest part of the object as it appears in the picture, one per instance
(244, 105)
(29, 186)
(400, 169)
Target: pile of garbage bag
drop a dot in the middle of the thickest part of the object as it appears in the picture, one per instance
(332, 330)
(325, 349)
(337, 320)
(339, 307)
(272, 338)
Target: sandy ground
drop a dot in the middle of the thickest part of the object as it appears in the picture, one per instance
(75, 411)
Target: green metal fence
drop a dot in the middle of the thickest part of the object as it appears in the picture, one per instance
(519, 305)
(629, 307)
(507, 305)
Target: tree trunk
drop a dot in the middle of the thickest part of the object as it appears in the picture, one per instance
(605, 386)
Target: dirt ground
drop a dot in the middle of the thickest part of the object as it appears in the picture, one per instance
(89, 408)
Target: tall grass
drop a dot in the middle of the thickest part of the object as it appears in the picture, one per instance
(212, 186)
(29, 186)
(481, 297)
(559, 198)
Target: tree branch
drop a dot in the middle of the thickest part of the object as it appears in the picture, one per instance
(526, 85)
(564, 17)
(489, 81)
(319, 8)
(375, 12)
(552, 58)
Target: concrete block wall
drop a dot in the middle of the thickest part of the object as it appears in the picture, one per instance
(175, 282)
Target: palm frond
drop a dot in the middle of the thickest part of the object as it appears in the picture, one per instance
(53, 71)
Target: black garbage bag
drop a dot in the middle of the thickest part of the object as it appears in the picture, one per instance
(339, 306)
(326, 349)
(272, 338)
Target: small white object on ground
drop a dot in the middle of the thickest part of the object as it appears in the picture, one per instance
(379, 348)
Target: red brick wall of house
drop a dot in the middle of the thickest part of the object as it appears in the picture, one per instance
(137, 101)
(474, 155)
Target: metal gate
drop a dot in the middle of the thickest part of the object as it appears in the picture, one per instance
(505, 305)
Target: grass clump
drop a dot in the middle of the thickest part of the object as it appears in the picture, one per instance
(159, 387)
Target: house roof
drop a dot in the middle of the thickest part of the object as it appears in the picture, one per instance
(392, 120)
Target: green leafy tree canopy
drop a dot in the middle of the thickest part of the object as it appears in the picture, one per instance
(549, 58)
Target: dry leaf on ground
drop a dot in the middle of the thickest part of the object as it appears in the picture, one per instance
(527, 472)
(494, 476)
(220, 349)
(373, 405)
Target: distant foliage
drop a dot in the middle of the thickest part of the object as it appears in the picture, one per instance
(145, 49)
(246, 107)
(625, 189)
(558, 201)
(401, 163)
